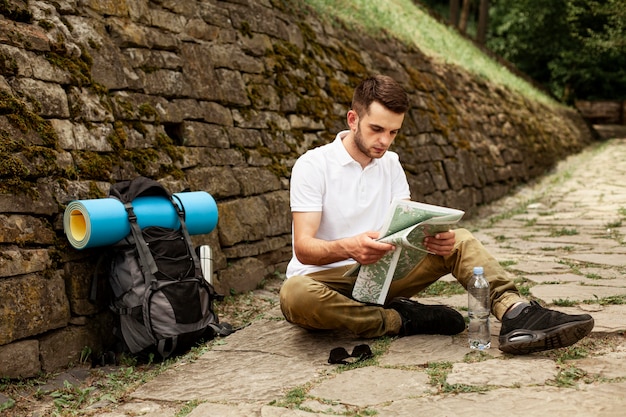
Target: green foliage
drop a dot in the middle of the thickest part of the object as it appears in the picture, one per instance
(438, 373)
(610, 300)
(443, 288)
(563, 232)
(70, 398)
(8, 404)
(568, 377)
(564, 302)
(575, 47)
(187, 408)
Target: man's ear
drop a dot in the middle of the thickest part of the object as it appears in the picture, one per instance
(353, 119)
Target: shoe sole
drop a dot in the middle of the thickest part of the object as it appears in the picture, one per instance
(521, 341)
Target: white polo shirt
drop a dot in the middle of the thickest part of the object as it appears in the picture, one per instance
(352, 200)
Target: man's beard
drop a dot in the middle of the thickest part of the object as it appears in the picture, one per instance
(358, 141)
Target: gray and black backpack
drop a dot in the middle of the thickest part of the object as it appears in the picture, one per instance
(159, 293)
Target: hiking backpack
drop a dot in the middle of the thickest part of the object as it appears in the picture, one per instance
(159, 293)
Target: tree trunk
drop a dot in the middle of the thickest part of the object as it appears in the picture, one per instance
(454, 12)
(483, 22)
(464, 15)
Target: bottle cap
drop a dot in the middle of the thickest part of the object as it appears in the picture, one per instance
(478, 270)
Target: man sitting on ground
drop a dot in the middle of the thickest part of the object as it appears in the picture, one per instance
(340, 193)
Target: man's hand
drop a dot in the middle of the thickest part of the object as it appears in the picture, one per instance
(440, 244)
(365, 249)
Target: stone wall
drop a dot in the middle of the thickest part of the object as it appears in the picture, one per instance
(606, 112)
(220, 96)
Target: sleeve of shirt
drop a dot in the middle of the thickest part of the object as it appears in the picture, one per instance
(307, 185)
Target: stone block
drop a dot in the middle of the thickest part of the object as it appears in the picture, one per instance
(255, 181)
(218, 181)
(242, 220)
(31, 305)
(20, 359)
(23, 229)
(78, 277)
(17, 261)
(205, 134)
(51, 97)
(73, 344)
(242, 276)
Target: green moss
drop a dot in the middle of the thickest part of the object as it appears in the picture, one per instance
(79, 69)
(43, 161)
(14, 173)
(125, 107)
(10, 166)
(139, 127)
(118, 138)
(46, 24)
(246, 29)
(8, 66)
(13, 12)
(149, 69)
(25, 120)
(340, 91)
(93, 44)
(276, 167)
(350, 61)
(287, 56)
(93, 165)
(316, 107)
(95, 191)
(148, 111)
(173, 170)
(142, 159)
(166, 144)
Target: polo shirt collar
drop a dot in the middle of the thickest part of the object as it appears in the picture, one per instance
(343, 156)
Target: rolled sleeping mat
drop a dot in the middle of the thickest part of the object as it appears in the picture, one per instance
(103, 222)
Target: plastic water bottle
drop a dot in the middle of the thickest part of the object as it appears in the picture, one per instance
(478, 311)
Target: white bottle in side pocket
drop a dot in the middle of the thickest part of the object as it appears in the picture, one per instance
(206, 262)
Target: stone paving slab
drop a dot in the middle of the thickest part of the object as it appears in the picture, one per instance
(608, 319)
(229, 377)
(270, 356)
(504, 373)
(420, 350)
(600, 259)
(258, 370)
(371, 386)
(606, 400)
(574, 292)
(144, 409)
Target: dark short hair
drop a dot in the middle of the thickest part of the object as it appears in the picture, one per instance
(383, 89)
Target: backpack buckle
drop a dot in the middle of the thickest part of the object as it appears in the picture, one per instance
(130, 212)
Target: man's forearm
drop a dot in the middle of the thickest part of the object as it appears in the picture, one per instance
(321, 252)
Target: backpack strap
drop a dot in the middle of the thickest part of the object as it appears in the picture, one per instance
(183, 229)
(126, 192)
(162, 346)
(95, 278)
(148, 265)
(222, 329)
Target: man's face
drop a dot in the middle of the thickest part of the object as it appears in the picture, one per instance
(375, 131)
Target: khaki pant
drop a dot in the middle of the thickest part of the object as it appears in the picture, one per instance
(322, 300)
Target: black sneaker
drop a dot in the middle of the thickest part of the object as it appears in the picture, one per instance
(427, 319)
(537, 328)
